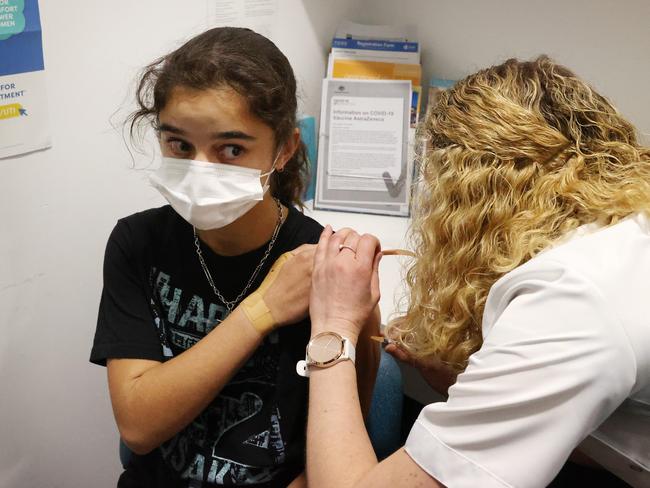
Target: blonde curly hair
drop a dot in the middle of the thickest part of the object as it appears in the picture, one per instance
(519, 155)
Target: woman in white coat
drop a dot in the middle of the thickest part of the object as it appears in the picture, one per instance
(531, 285)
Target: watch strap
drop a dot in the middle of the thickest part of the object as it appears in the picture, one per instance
(349, 351)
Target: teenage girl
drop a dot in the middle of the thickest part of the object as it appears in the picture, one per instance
(201, 366)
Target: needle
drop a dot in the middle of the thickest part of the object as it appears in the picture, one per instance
(384, 341)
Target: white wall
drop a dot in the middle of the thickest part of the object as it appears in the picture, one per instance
(57, 207)
(606, 42)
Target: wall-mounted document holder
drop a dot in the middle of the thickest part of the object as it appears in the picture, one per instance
(365, 157)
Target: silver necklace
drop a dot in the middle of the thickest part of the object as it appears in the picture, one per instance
(230, 304)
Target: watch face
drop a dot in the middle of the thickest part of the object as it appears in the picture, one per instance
(325, 347)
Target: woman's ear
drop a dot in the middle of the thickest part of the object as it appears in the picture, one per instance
(289, 149)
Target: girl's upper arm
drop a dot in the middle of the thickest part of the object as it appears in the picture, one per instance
(126, 327)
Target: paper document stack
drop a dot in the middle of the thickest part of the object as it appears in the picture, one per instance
(370, 100)
(378, 52)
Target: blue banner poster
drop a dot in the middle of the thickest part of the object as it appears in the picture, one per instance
(24, 122)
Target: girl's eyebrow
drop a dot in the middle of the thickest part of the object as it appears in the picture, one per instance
(230, 134)
(233, 134)
(170, 128)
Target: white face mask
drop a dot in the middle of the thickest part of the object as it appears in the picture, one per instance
(209, 195)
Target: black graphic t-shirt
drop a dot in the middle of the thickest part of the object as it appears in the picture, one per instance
(156, 303)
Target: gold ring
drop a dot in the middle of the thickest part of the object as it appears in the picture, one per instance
(343, 246)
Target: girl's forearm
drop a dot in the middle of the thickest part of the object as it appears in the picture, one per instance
(153, 401)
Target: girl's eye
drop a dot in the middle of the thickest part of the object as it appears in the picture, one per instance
(179, 146)
(230, 151)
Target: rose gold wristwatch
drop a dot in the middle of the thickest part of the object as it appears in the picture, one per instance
(325, 350)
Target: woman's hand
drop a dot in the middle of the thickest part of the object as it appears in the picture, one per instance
(438, 375)
(345, 282)
(287, 285)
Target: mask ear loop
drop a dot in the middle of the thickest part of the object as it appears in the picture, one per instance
(268, 173)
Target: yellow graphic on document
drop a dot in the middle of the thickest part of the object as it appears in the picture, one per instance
(372, 70)
(11, 111)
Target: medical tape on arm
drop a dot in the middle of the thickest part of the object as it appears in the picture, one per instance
(255, 307)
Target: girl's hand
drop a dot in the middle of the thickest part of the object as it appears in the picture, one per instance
(287, 285)
(438, 375)
(345, 283)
